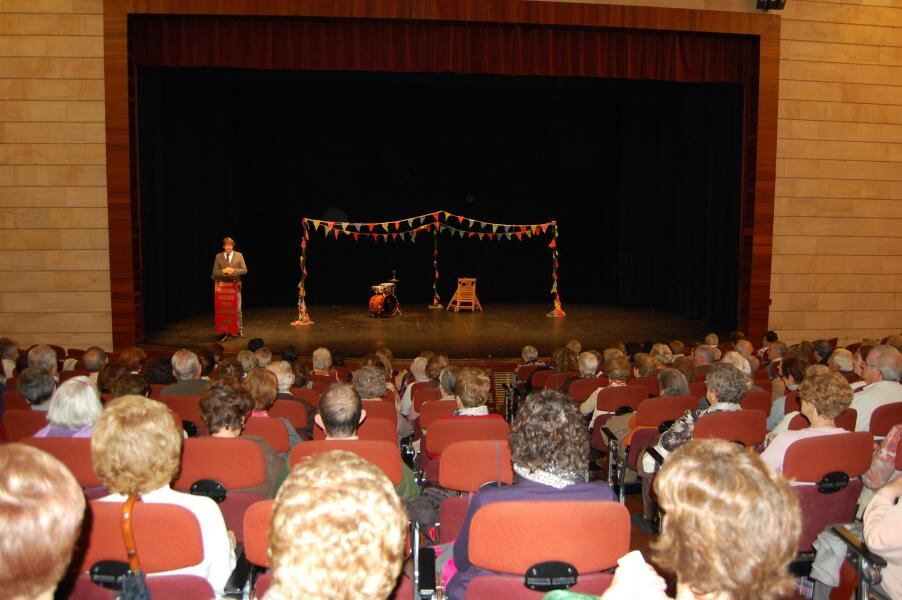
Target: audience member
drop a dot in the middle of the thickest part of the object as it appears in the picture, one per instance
(574, 346)
(73, 410)
(530, 356)
(158, 371)
(108, 376)
(207, 363)
(703, 357)
(41, 512)
(822, 351)
(677, 347)
(618, 371)
(418, 371)
(37, 385)
(264, 389)
(369, 383)
(43, 356)
(94, 359)
(880, 373)
(564, 359)
(263, 356)
(662, 355)
(187, 371)
(788, 379)
(228, 367)
(686, 366)
(775, 353)
(338, 532)
(745, 348)
(737, 360)
(130, 385)
(672, 382)
(133, 360)
(9, 352)
(644, 365)
(550, 450)
(255, 344)
(248, 361)
(289, 354)
(767, 339)
(322, 363)
(136, 448)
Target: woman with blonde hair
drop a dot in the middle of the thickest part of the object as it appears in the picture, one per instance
(74, 409)
(731, 527)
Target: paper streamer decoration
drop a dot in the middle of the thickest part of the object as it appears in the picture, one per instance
(438, 221)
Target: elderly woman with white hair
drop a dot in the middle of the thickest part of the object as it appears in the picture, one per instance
(74, 409)
(322, 363)
(418, 370)
(662, 354)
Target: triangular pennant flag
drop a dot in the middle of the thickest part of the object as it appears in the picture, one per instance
(304, 244)
(371, 226)
(357, 226)
(494, 227)
(554, 288)
(410, 222)
(397, 225)
(553, 244)
(384, 226)
(330, 225)
(471, 234)
(315, 224)
(325, 231)
(533, 229)
(336, 232)
(491, 236)
(435, 216)
(519, 236)
(481, 235)
(356, 236)
(529, 233)
(460, 232)
(344, 226)
(460, 219)
(394, 236)
(445, 215)
(422, 219)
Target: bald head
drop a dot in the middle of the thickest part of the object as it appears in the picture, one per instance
(340, 411)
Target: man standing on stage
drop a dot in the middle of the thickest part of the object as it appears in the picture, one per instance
(231, 262)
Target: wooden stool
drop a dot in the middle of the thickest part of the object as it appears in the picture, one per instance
(465, 296)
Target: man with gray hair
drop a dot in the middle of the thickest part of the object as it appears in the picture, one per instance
(285, 376)
(841, 360)
(703, 355)
(248, 361)
(37, 385)
(880, 371)
(43, 356)
(322, 361)
(745, 348)
(94, 359)
(369, 383)
(187, 371)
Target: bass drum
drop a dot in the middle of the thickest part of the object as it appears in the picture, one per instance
(383, 305)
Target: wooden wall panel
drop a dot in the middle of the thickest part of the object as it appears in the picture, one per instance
(54, 239)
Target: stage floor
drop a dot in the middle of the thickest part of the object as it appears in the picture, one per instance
(500, 330)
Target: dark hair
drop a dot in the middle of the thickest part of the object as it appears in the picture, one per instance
(159, 371)
(564, 359)
(338, 359)
(823, 349)
(289, 354)
(771, 336)
(736, 335)
(301, 373)
(207, 362)
(225, 404)
(549, 434)
(647, 345)
(632, 348)
(795, 366)
(108, 376)
(217, 350)
(686, 366)
(435, 365)
(255, 344)
(36, 385)
(340, 408)
(131, 384)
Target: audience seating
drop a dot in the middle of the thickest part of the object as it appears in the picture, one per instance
(13, 400)
(272, 430)
(883, 419)
(156, 389)
(75, 453)
(167, 538)
(235, 464)
(444, 432)
(66, 375)
(384, 455)
(524, 372)
(291, 410)
(698, 388)
(186, 407)
(421, 393)
(436, 409)
(650, 383)
(380, 409)
(319, 386)
(757, 401)
(21, 424)
(748, 427)
(613, 400)
(550, 378)
(813, 464)
(511, 537)
(846, 420)
(371, 429)
(792, 403)
(256, 542)
(582, 388)
(311, 397)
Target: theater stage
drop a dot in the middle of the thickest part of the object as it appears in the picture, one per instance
(500, 330)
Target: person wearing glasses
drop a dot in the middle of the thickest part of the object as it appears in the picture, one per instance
(880, 370)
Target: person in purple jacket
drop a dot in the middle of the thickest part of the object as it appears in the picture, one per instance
(550, 451)
(74, 409)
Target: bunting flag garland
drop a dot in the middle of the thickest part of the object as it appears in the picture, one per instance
(408, 228)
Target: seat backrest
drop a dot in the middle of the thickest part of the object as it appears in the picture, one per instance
(546, 378)
(311, 397)
(272, 430)
(465, 466)
(884, 417)
(436, 409)
(698, 388)
(167, 536)
(256, 532)
(510, 537)
(75, 453)
(846, 420)
(746, 426)
(444, 432)
(654, 411)
(611, 398)
(319, 386)
(292, 410)
(791, 403)
(20, 424)
(423, 393)
(371, 429)
(756, 401)
(14, 400)
(156, 389)
(66, 375)
(650, 383)
(524, 371)
(384, 455)
(235, 463)
(581, 389)
(380, 409)
(810, 459)
(186, 407)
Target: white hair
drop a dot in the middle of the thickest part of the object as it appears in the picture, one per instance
(284, 374)
(43, 356)
(263, 356)
(737, 360)
(322, 359)
(75, 404)
(711, 339)
(185, 364)
(588, 363)
(843, 360)
(418, 368)
(529, 353)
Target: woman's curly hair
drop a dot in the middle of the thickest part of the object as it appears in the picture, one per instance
(549, 434)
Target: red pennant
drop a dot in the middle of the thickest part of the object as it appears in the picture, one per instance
(371, 226)
(303, 244)
(356, 235)
(471, 234)
(336, 232)
(553, 244)
(435, 216)
(394, 236)
(554, 276)
(519, 236)
(398, 225)
(491, 236)
(460, 219)
(330, 225)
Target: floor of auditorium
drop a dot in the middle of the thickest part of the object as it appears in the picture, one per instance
(499, 330)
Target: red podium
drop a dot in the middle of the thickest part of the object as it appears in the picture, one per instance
(225, 302)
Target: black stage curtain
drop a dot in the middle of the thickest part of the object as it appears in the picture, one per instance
(644, 178)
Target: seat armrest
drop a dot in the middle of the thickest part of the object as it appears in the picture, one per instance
(857, 547)
(655, 456)
(243, 574)
(426, 573)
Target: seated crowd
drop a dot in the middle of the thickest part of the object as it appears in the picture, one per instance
(725, 520)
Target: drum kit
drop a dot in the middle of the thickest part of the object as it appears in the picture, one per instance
(384, 303)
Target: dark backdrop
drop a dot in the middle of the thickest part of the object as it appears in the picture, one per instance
(643, 178)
